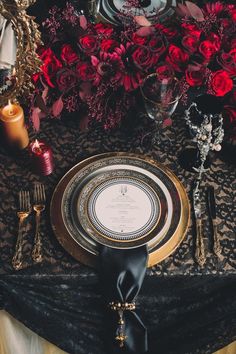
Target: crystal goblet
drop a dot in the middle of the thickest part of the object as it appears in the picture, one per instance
(161, 97)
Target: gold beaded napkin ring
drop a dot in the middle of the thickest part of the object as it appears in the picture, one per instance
(120, 308)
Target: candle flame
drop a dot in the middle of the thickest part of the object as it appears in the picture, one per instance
(36, 144)
(10, 105)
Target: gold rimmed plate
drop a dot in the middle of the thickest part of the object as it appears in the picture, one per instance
(120, 200)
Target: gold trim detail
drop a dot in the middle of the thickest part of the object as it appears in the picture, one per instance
(28, 38)
(156, 255)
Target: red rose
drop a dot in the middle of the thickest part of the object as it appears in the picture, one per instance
(105, 29)
(221, 83)
(138, 39)
(207, 49)
(108, 45)
(191, 29)
(86, 72)
(228, 62)
(177, 58)
(165, 71)
(143, 58)
(215, 40)
(68, 55)
(169, 32)
(49, 68)
(190, 43)
(89, 43)
(45, 53)
(158, 45)
(195, 78)
(66, 79)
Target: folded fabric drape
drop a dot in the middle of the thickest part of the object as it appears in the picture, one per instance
(15, 338)
(121, 275)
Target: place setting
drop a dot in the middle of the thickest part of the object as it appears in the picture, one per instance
(85, 200)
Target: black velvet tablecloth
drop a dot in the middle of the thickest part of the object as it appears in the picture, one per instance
(186, 309)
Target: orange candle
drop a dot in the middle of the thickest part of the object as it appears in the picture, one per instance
(13, 125)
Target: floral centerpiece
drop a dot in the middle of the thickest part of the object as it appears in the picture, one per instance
(97, 68)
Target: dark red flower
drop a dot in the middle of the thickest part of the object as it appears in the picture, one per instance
(138, 39)
(177, 58)
(88, 43)
(221, 83)
(107, 65)
(68, 55)
(228, 62)
(66, 79)
(131, 78)
(86, 71)
(50, 66)
(190, 43)
(195, 78)
(191, 29)
(143, 58)
(207, 49)
(105, 29)
(108, 45)
(165, 71)
(214, 8)
(158, 44)
(215, 40)
(169, 31)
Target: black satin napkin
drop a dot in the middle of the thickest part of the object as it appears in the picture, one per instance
(121, 277)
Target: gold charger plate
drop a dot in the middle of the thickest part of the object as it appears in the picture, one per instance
(76, 237)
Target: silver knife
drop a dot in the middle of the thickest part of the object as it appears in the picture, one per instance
(200, 249)
(212, 210)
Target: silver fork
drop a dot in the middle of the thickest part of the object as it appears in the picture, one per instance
(23, 213)
(39, 206)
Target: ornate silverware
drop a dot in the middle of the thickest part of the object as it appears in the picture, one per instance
(23, 213)
(199, 250)
(39, 206)
(212, 211)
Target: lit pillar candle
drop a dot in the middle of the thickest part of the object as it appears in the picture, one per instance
(42, 159)
(13, 125)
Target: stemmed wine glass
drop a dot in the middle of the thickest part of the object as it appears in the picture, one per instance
(161, 97)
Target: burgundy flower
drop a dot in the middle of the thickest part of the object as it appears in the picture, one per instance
(228, 62)
(138, 39)
(221, 83)
(68, 55)
(169, 32)
(165, 71)
(66, 79)
(86, 71)
(104, 29)
(108, 66)
(131, 78)
(158, 44)
(191, 29)
(207, 49)
(215, 40)
(214, 8)
(143, 58)
(195, 78)
(190, 43)
(108, 45)
(51, 65)
(177, 58)
(88, 43)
